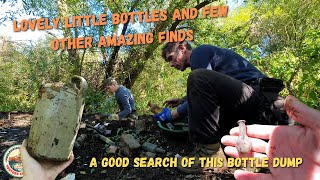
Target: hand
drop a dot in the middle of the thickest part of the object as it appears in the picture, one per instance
(284, 141)
(164, 116)
(173, 102)
(34, 169)
(113, 117)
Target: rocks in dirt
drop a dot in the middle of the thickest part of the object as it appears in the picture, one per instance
(97, 117)
(107, 132)
(148, 154)
(82, 125)
(105, 139)
(70, 176)
(169, 154)
(190, 176)
(97, 125)
(112, 150)
(101, 129)
(129, 145)
(152, 148)
(103, 172)
(81, 138)
(177, 156)
(140, 125)
(133, 116)
(76, 144)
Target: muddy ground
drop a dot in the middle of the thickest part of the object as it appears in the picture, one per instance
(15, 127)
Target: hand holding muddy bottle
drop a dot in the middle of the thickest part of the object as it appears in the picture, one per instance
(55, 124)
(56, 119)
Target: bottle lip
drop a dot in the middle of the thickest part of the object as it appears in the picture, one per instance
(244, 121)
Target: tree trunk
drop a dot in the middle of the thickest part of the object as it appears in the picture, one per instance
(113, 58)
(161, 26)
(73, 54)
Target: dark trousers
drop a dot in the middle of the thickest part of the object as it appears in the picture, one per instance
(216, 102)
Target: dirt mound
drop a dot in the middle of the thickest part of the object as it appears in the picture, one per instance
(16, 129)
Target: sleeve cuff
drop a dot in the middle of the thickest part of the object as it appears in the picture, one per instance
(183, 109)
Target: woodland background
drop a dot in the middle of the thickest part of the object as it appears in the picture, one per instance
(280, 37)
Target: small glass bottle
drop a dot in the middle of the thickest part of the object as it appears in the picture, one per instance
(243, 143)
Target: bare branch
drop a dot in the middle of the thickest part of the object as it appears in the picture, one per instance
(198, 6)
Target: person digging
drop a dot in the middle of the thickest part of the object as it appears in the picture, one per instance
(124, 100)
(222, 88)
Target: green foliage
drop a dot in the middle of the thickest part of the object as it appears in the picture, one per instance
(23, 69)
(97, 102)
(288, 32)
(280, 37)
(157, 83)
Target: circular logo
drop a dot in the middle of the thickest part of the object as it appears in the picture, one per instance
(11, 161)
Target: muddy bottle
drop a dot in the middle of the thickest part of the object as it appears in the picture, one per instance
(56, 119)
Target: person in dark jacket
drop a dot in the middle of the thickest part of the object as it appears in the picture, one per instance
(222, 88)
(124, 99)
